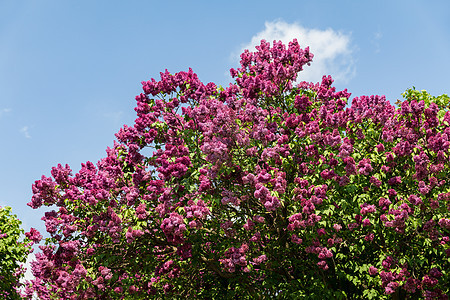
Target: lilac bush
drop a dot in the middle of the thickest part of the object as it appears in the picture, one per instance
(14, 250)
(265, 188)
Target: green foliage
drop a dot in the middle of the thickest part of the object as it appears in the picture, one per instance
(13, 251)
(442, 101)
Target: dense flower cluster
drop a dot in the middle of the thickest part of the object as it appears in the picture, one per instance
(266, 182)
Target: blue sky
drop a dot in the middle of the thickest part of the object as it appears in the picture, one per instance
(69, 70)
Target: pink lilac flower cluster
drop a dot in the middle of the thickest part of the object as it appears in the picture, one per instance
(235, 257)
(264, 182)
(34, 235)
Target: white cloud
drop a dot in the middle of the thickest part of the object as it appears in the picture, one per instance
(377, 36)
(25, 132)
(332, 50)
(4, 111)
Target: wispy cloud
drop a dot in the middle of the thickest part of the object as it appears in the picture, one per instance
(377, 36)
(4, 111)
(25, 131)
(332, 50)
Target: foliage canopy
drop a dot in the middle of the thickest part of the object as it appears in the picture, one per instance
(264, 188)
(14, 250)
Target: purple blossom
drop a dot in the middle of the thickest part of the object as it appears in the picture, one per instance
(415, 200)
(444, 223)
(260, 259)
(391, 287)
(337, 227)
(364, 166)
(375, 181)
(373, 271)
(34, 235)
(346, 149)
(369, 237)
(380, 148)
(249, 225)
(174, 227)
(392, 193)
(295, 239)
(350, 167)
(388, 262)
(344, 180)
(141, 211)
(367, 208)
(384, 203)
(395, 180)
(423, 188)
